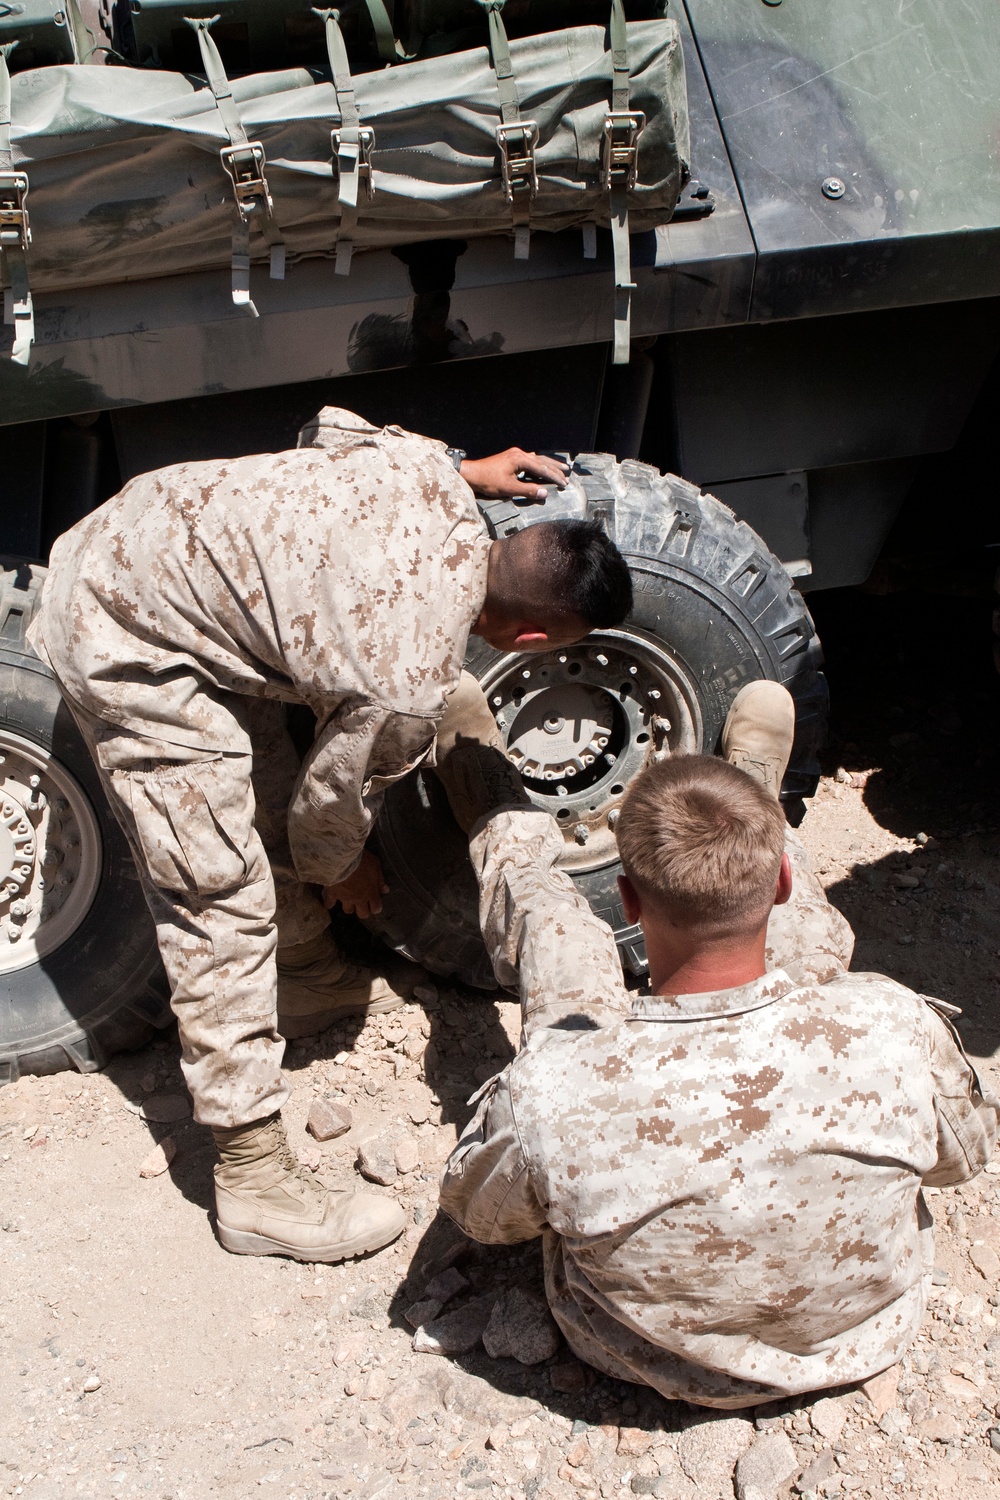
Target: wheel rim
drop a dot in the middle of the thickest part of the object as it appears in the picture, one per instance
(581, 723)
(50, 853)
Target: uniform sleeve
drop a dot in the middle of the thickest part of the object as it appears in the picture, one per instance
(541, 935)
(486, 1186)
(357, 753)
(966, 1116)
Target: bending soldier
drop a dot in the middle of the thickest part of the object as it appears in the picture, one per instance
(727, 1171)
(178, 618)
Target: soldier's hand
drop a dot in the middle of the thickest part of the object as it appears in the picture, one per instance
(497, 477)
(361, 893)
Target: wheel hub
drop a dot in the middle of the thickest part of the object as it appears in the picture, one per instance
(49, 853)
(580, 724)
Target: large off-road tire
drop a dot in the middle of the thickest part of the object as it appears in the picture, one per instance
(714, 609)
(80, 975)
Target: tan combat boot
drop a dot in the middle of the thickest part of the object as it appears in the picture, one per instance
(317, 988)
(758, 732)
(266, 1203)
(472, 764)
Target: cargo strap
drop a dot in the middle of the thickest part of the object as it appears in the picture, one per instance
(244, 161)
(619, 170)
(516, 138)
(351, 144)
(15, 232)
(389, 49)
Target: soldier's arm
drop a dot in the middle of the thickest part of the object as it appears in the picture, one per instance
(358, 752)
(967, 1117)
(486, 1186)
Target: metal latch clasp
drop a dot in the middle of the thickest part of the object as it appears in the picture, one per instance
(245, 165)
(516, 143)
(15, 231)
(620, 147)
(365, 145)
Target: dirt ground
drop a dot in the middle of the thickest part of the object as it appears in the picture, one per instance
(139, 1359)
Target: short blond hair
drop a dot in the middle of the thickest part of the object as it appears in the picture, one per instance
(702, 840)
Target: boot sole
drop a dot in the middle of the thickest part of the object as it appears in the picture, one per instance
(246, 1242)
(294, 1027)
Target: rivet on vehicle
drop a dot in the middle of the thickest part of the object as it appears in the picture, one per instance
(833, 187)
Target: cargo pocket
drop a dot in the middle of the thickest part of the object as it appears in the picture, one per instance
(192, 823)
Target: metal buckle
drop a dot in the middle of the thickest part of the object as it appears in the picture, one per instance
(366, 144)
(516, 143)
(245, 165)
(620, 147)
(15, 231)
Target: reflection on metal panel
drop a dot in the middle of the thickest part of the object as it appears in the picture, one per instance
(864, 135)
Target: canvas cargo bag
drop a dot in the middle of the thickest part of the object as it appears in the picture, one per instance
(130, 174)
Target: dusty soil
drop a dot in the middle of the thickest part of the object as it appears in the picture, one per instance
(139, 1359)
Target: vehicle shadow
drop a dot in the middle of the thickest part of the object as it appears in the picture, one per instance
(916, 730)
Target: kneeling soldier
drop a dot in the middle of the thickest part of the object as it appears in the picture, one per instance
(727, 1171)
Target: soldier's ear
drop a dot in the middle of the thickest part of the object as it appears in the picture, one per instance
(631, 905)
(784, 888)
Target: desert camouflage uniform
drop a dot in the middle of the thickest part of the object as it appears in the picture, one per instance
(344, 575)
(728, 1184)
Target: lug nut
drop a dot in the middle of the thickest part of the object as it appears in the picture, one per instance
(526, 672)
(613, 816)
(654, 695)
(581, 833)
(497, 700)
(19, 910)
(601, 659)
(634, 670)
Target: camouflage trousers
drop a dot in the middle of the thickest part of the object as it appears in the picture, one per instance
(208, 832)
(546, 944)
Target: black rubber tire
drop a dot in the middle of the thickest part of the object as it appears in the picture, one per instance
(706, 587)
(104, 990)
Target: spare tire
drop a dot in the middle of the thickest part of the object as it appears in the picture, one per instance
(80, 974)
(713, 609)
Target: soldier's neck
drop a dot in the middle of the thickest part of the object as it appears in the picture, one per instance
(680, 967)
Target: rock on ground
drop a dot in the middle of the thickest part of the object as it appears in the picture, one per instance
(708, 1451)
(522, 1328)
(764, 1467)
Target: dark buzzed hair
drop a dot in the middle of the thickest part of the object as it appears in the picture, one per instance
(703, 841)
(590, 578)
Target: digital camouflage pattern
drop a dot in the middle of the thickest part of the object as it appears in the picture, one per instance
(179, 617)
(728, 1184)
(344, 574)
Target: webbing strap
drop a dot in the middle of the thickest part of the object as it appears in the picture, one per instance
(619, 157)
(351, 144)
(618, 32)
(15, 232)
(516, 138)
(244, 161)
(385, 37)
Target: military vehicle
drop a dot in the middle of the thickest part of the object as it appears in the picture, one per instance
(813, 283)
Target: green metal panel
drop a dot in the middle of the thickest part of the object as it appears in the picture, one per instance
(41, 30)
(899, 104)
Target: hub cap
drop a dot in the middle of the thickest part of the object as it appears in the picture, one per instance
(581, 723)
(50, 853)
